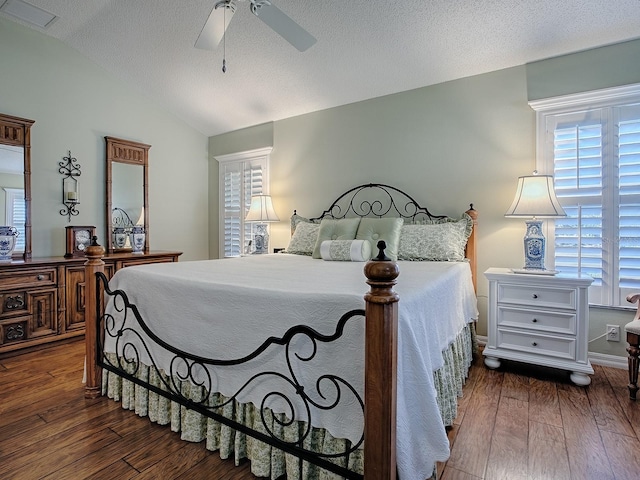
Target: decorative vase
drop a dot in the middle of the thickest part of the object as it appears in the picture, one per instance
(119, 237)
(8, 237)
(137, 238)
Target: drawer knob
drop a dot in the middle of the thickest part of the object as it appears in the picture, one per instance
(535, 344)
(535, 320)
(40, 277)
(535, 295)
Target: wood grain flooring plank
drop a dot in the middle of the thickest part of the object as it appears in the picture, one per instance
(88, 419)
(119, 470)
(471, 449)
(147, 436)
(543, 402)
(547, 452)
(454, 474)
(149, 454)
(587, 455)
(604, 404)
(618, 379)
(218, 468)
(515, 386)
(509, 454)
(467, 391)
(623, 454)
(176, 462)
(66, 448)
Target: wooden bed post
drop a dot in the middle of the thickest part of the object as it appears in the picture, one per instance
(94, 263)
(381, 348)
(470, 250)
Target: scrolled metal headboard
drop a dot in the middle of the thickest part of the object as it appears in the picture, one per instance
(377, 200)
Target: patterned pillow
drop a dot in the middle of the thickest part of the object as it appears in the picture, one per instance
(335, 229)
(345, 250)
(297, 219)
(304, 238)
(437, 241)
(376, 229)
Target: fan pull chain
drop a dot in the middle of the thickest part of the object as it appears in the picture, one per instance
(224, 42)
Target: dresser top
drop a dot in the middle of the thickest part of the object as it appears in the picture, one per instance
(38, 261)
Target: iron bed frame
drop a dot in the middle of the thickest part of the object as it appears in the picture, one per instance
(381, 320)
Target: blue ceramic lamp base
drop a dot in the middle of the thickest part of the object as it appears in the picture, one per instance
(534, 250)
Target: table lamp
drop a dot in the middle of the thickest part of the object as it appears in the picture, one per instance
(535, 197)
(261, 211)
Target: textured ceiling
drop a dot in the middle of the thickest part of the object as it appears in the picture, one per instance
(365, 48)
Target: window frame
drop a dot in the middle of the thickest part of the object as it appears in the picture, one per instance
(242, 159)
(607, 103)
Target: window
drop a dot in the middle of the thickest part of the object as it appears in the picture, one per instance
(241, 176)
(590, 143)
(15, 213)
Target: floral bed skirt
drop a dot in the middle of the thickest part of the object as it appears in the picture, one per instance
(267, 461)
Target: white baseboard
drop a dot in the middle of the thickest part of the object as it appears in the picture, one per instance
(607, 360)
(603, 359)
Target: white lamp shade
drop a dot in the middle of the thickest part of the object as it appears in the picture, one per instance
(261, 210)
(535, 197)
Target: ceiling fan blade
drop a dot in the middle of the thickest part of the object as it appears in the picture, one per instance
(283, 25)
(216, 25)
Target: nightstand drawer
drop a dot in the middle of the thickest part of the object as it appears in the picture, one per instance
(547, 345)
(537, 296)
(541, 320)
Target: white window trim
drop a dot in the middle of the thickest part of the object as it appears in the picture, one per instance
(572, 103)
(246, 155)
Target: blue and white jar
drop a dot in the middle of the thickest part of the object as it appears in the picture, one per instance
(119, 237)
(137, 239)
(8, 236)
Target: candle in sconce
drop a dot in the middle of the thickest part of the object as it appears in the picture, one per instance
(72, 196)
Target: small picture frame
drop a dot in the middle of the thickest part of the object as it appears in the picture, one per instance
(78, 239)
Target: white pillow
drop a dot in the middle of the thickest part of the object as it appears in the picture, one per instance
(345, 250)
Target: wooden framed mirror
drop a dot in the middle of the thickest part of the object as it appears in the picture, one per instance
(15, 180)
(127, 202)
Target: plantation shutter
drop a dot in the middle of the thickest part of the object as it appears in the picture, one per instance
(578, 175)
(628, 147)
(232, 209)
(239, 180)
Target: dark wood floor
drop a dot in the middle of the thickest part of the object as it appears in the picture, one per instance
(513, 424)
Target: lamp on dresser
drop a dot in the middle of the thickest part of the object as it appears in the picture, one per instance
(535, 198)
(261, 211)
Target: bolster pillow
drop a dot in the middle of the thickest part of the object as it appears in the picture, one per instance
(345, 250)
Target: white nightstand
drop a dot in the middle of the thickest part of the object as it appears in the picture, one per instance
(539, 319)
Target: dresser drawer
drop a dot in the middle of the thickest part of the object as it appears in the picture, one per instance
(538, 296)
(547, 345)
(540, 320)
(28, 278)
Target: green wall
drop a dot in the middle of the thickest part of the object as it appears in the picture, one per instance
(75, 104)
(447, 145)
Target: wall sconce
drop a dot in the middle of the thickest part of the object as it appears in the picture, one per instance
(261, 210)
(535, 197)
(70, 168)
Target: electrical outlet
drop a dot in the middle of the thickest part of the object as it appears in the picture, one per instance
(613, 333)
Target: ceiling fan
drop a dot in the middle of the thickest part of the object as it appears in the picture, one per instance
(280, 22)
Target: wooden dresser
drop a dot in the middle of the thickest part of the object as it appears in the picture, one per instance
(42, 299)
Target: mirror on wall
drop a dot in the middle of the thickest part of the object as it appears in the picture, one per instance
(15, 181)
(127, 208)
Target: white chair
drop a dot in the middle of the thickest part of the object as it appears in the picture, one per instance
(633, 339)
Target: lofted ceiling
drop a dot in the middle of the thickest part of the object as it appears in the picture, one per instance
(364, 49)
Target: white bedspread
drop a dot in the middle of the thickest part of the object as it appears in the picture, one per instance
(227, 308)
